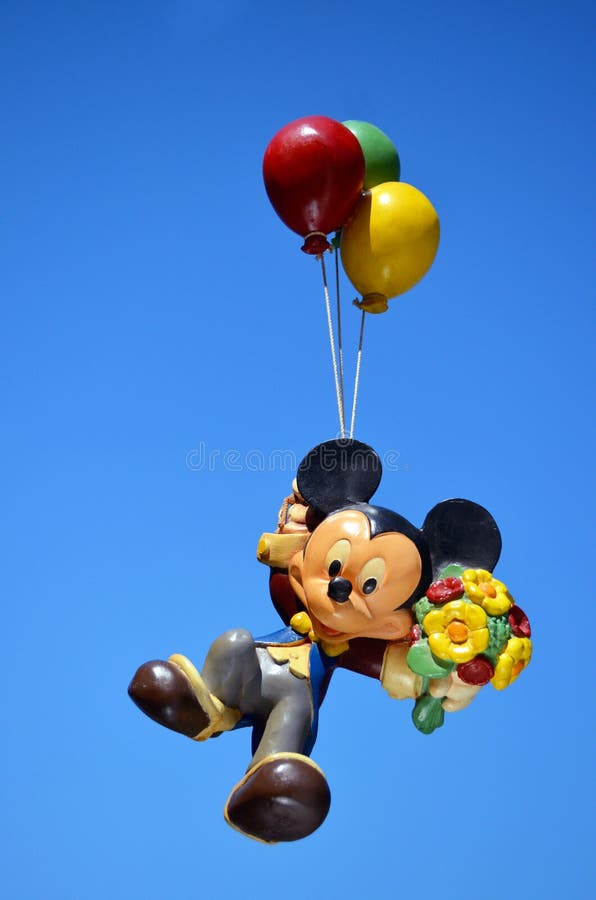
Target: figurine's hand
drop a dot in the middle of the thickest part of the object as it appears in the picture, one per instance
(293, 513)
(396, 676)
(454, 692)
(296, 519)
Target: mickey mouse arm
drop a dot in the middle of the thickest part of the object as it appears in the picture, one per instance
(275, 549)
(386, 662)
(364, 656)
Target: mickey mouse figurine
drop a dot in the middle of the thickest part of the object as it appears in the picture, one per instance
(354, 584)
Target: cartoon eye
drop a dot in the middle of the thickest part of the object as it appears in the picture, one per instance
(371, 575)
(337, 557)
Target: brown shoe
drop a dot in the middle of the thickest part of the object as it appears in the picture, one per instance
(284, 797)
(164, 693)
(174, 694)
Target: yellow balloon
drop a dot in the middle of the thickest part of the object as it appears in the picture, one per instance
(390, 243)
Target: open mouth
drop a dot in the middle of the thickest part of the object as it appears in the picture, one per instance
(325, 631)
(328, 632)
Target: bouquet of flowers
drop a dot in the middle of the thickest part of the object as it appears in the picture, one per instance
(468, 626)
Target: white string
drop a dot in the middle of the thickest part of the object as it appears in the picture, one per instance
(339, 336)
(338, 394)
(357, 378)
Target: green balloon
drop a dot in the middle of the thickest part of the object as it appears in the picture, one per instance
(380, 154)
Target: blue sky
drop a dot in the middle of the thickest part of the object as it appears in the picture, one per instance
(154, 305)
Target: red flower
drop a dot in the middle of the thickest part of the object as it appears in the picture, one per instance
(479, 670)
(415, 633)
(444, 590)
(519, 622)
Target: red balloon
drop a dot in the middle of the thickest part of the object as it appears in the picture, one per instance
(314, 172)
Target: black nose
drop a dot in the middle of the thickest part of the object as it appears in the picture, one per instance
(339, 589)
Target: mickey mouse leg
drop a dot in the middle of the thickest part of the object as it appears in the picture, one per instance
(284, 795)
(232, 671)
(177, 696)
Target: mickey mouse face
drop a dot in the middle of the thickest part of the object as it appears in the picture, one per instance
(363, 562)
(351, 583)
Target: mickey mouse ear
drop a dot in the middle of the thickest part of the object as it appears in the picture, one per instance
(339, 473)
(464, 533)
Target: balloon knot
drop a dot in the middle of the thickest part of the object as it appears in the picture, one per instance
(315, 243)
(372, 303)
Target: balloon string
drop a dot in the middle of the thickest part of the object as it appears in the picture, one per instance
(357, 378)
(338, 395)
(339, 337)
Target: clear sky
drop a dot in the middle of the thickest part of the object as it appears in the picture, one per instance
(154, 307)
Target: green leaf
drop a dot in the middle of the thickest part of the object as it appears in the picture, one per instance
(421, 661)
(428, 714)
(500, 632)
(421, 608)
(451, 571)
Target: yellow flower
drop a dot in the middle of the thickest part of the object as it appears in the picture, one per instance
(490, 593)
(512, 660)
(456, 631)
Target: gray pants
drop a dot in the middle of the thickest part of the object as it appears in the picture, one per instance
(275, 701)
